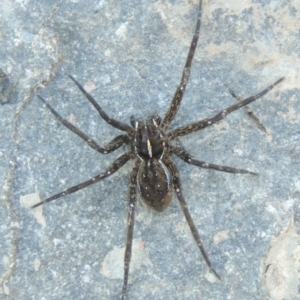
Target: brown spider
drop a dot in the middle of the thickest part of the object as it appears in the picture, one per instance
(154, 174)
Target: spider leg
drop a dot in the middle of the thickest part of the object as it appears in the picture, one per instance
(130, 223)
(183, 205)
(102, 113)
(115, 166)
(250, 113)
(192, 127)
(172, 111)
(116, 143)
(188, 158)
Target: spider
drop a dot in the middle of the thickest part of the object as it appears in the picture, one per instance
(154, 175)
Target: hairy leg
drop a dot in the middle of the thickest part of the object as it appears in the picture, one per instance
(116, 143)
(102, 113)
(130, 224)
(192, 127)
(183, 205)
(188, 158)
(172, 111)
(115, 166)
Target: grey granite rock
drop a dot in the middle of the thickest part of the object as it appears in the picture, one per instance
(130, 55)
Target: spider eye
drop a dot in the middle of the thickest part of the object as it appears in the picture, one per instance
(157, 119)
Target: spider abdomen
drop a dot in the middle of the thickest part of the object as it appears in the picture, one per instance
(154, 184)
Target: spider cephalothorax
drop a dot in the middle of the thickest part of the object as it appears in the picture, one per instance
(155, 176)
(148, 140)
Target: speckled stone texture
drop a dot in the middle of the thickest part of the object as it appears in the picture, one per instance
(130, 55)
